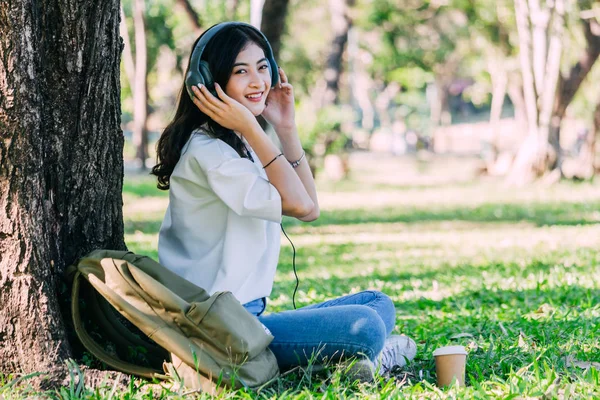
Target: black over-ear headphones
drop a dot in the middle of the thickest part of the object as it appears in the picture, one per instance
(198, 71)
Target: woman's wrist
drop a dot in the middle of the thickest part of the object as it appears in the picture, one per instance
(251, 130)
(286, 129)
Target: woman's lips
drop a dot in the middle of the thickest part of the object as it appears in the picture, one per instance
(255, 97)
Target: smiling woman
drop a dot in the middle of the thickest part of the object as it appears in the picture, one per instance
(229, 187)
(250, 80)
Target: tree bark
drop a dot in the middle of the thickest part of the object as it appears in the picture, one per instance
(274, 13)
(61, 169)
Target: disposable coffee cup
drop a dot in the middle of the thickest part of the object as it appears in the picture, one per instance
(450, 363)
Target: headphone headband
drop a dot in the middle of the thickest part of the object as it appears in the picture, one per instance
(198, 71)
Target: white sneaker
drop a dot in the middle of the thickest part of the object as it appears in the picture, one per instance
(361, 369)
(397, 351)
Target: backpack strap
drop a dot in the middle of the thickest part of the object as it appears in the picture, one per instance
(97, 350)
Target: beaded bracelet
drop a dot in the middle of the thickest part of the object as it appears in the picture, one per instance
(270, 162)
(295, 164)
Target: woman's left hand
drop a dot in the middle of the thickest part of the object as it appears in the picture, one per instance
(279, 110)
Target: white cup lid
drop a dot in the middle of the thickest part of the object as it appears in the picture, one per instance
(445, 351)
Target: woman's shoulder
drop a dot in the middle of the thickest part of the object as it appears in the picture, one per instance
(208, 151)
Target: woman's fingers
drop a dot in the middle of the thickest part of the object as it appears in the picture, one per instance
(282, 76)
(201, 101)
(222, 96)
(287, 88)
(215, 102)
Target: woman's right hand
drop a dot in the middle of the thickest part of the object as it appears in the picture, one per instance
(224, 110)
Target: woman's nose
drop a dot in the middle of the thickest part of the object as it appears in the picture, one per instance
(257, 80)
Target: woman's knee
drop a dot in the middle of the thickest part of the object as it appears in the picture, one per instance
(368, 329)
(386, 309)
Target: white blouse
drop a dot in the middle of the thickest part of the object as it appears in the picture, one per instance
(221, 229)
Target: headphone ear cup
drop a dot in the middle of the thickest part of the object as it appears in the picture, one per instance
(208, 78)
(274, 71)
(192, 79)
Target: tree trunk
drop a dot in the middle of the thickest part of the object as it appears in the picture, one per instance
(515, 93)
(568, 86)
(440, 107)
(256, 7)
(61, 168)
(140, 90)
(361, 82)
(547, 92)
(127, 51)
(232, 6)
(273, 22)
(382, 104)
(540, 39)
(191, 13)
(595, 142)
(326, 91)
(340, 24)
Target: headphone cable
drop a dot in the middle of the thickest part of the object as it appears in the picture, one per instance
(293, 265)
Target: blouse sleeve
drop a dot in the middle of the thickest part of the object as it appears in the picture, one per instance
(238, 183)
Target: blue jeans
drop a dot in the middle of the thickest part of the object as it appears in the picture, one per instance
(355, 325)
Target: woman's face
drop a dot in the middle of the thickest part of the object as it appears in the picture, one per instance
(250, 79)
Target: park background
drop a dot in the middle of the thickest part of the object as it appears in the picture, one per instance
(454, 144)
(415, 117)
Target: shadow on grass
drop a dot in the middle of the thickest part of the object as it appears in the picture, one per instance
(540, 214)
(403, 278)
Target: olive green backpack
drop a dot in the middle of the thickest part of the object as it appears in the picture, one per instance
(206, 342)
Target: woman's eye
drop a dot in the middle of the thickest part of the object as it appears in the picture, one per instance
(240, 71)
(264, 66)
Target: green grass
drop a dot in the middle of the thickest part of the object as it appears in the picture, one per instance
(511, 273)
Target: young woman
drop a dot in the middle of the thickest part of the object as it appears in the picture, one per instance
(229, 187)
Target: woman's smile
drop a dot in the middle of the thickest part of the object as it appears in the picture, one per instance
(255, 97)
(250, 79)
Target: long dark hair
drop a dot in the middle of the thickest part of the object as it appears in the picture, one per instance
(220, 53)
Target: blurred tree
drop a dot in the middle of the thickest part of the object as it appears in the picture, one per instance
(595, 140)
(191, 13)
(272, 24)
(61, 166)
(136, 73)
(340, 25)
(256, 9)
(491, 24)
(431, 36)
(326, 94)
(547, 92)
(232, 9)
(151, 33)
(140, 85)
